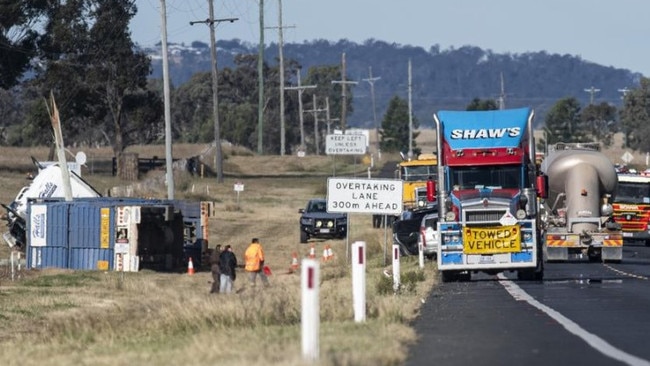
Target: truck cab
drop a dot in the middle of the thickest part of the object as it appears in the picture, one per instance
(487, 191)
(632, 207)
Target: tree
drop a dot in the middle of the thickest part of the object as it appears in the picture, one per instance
(18, 19)
(394, 134)
(482, 105)
(635, 116)
(93, 70)
(599, 122)
(563, 124)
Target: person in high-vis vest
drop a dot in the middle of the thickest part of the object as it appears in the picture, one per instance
(254, 259)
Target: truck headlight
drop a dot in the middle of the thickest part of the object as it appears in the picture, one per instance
(607, 209)
(450, 216)
(520, 214)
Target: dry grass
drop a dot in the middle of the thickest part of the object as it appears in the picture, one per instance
(61, 317)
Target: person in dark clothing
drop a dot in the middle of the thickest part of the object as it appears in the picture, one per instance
(214, 268)
(227, 265)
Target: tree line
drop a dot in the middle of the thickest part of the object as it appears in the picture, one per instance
(82, 52)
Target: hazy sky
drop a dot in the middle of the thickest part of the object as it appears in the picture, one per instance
(607, 32)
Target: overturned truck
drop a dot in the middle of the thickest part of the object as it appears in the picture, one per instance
(91, 232)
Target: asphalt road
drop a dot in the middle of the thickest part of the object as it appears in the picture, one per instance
(581, 314)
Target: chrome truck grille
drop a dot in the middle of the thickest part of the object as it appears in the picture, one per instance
(481, 217)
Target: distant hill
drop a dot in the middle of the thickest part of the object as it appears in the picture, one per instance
(441, 79)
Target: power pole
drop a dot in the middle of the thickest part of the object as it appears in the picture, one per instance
(260, 83)
(502, 97)
(592, 91)
(211, 22)
(327, 114)
(344, 96)
(371, 80)
(300, 88)
(280, 54)
(315, 111)
(410, 153)
(624, 91)
(166, 94)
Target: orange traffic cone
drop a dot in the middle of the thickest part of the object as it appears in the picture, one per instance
(190, 267)
(330, 253)
(294, 262)
(325, 254)
(312, 252)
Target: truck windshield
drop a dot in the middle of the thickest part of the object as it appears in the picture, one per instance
(632, 192)
(419, 173)
(500, 177)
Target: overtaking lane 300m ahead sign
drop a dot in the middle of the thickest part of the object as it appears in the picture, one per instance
(375, 196)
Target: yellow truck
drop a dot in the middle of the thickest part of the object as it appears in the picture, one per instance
(415, 173)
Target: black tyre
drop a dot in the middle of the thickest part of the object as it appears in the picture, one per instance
(594, 255)
(449, 276)
(303, 237)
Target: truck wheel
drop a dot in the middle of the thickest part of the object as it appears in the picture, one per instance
(530, 275)
(303, 237)
(536, 274)
(465, 277)
(449, 276)
(594, 255)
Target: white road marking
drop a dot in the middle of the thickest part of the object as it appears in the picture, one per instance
(625, 273)
(593, 340)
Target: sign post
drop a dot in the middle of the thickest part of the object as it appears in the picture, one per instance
(310, 314)
(359, 280)
(239, 187)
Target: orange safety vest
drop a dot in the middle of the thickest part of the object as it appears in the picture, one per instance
(253, 256)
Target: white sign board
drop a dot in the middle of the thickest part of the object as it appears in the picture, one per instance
(239, 187)
(358, 131)
(345, 145)
(374, 196)
(38, 226)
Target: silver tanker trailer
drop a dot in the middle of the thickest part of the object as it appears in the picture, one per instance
(577, 214)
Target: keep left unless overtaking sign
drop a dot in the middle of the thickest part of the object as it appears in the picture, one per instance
(374, 196)
(345, 144)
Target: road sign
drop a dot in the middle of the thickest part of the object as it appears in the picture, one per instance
(239, 187)
(345, 144)
(627, 157)
(375, 196)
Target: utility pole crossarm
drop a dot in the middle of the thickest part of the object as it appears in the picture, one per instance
(213, 21)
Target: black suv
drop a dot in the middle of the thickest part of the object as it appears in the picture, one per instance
(316, 222)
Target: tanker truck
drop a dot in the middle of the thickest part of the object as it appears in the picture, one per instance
(577, 215)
